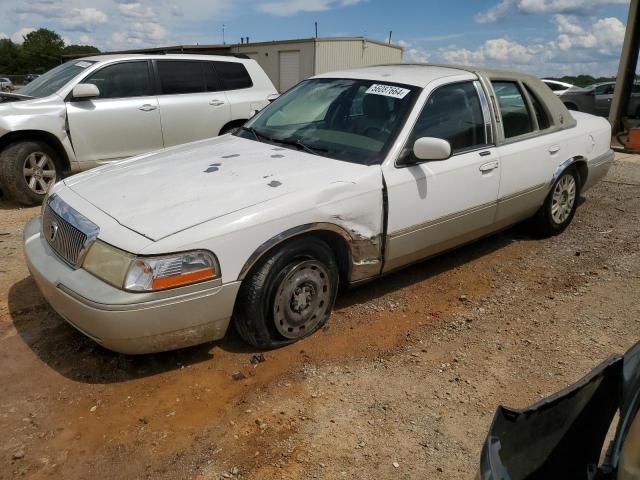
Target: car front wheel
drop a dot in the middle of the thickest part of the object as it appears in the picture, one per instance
(289, 295)
(27, 170)
(560, 205)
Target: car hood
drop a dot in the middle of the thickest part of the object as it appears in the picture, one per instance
(162, 193)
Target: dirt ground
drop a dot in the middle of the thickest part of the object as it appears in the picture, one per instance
(402, 383)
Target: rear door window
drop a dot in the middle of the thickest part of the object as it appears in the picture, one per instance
(233, 75)
(516, 118)
(181, 76)
(122, 80)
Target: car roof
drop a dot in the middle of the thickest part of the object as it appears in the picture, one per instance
(417, 75)
(161, 56)
(421, 74)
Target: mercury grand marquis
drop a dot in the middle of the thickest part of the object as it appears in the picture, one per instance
(344, 178)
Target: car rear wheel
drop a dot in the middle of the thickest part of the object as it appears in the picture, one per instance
(27, 170)
(289, 295)
(560, 205)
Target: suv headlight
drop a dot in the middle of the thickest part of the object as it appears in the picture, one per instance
(144, 274)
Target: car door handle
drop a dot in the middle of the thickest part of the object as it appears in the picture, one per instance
(488, 167)
(555, 149)
(216, 103)
(147, 107)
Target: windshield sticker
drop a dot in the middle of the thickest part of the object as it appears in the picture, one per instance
(83, 64)
(388, 91)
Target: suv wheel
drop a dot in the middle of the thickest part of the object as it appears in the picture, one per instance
(27, 170)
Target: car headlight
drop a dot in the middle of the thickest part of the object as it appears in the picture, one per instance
(144, 274)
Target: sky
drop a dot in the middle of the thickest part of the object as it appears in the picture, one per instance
(543, 37)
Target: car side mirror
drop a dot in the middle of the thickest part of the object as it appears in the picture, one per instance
(426, 149)
(430, 148)
(85, 91)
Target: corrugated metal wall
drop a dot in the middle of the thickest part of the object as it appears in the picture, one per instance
(268, 56)
(342, 54)
(317, 56)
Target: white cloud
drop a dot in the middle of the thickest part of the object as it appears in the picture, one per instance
(18, 37)
(413, 53)
(578, 7)
(291, 7)
(3, 35)
(494, 51)
(84, 19)
(136, 10)
(578, 48)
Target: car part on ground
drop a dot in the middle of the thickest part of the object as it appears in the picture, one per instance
(147, 102)
(563, 436)
(346, 177)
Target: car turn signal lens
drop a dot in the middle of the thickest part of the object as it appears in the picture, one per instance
(160, 273)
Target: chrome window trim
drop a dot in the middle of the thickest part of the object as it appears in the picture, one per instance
(486, 113)
(486, 117)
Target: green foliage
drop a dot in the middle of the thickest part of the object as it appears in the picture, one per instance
(41, 50)
(80, 50)
(10, 57)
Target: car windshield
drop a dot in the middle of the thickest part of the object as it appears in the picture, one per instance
(52, 81)
(346, 119)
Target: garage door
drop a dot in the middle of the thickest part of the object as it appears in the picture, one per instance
(289, 69)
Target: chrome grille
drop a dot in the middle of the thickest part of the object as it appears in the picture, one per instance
(65, 239)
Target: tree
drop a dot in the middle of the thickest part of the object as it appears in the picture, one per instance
(80, 50)
(10, 57)
(42, 49)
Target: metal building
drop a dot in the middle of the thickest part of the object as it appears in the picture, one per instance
(287, 62)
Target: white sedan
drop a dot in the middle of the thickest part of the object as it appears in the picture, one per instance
(346, 177)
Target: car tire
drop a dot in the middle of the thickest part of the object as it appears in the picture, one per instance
(27, 170)
(287, 296)
(560, 206)
(233, 128)
(572, 106)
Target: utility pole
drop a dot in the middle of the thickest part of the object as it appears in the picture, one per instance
(223, 35)
(390, 33)
(316, 24)
(626, 69)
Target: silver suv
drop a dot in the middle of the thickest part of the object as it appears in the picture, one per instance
(99, 109)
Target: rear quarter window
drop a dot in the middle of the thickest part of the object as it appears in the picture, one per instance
(233, 75)
(516, 118)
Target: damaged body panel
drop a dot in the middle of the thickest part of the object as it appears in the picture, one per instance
(346, 177)
(563, 436)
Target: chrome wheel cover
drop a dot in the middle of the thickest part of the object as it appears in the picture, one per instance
(302, 300)
(563, 199)
(39, 172)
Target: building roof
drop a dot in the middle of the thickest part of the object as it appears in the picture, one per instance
(219, 49)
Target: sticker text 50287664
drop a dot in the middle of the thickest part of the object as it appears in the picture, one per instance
(388, 90)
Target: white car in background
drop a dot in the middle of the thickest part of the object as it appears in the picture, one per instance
(109, 107)
(6, 85)
(346, 177)
(557, 86)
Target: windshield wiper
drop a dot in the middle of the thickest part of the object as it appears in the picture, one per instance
(300, 145)
(256, 134)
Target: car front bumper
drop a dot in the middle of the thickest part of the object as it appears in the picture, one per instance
(128, 322)
(598, 168)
